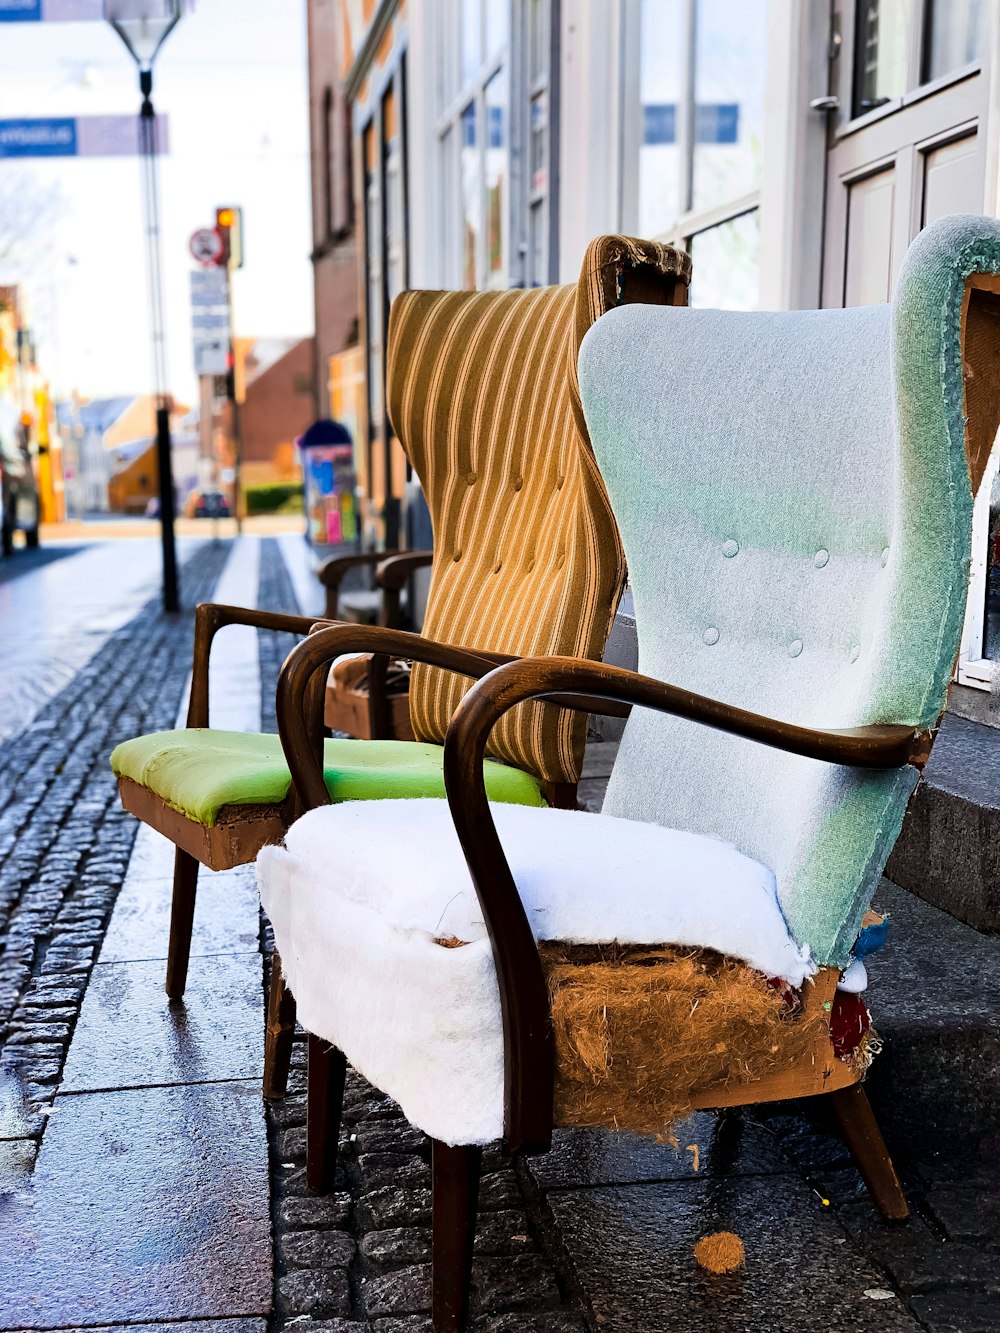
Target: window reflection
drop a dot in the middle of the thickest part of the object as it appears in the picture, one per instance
(730, 60)
(496, 176)
(880, 41)
(660, 94)
(726, 264)
(956, 35)
(470, 197)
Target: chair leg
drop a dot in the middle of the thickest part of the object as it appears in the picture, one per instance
(181, 922)
(324, 1103)
(864, 1138)
(455, 1174)
(278, 1033)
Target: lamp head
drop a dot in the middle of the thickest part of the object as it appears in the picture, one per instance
(143, 25)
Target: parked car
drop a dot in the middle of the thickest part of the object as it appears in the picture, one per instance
(206, 504)
(19, 503)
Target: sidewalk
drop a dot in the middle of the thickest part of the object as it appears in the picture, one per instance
(143, 1185)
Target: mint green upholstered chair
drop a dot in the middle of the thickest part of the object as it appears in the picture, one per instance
(794, 493)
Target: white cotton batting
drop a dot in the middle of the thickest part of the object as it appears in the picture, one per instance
(361, 891)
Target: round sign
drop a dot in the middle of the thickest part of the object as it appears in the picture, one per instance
(206, 246)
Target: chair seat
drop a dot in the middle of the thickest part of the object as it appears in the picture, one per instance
(201, 771)
(362, 897)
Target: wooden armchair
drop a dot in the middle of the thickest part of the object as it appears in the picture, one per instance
(484, 395)
(794, 493)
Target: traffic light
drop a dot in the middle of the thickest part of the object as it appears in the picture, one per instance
(229, 225)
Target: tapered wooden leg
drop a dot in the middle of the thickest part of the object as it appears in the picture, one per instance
(278, 1033)
(864, 1138)
(181, 922)
(455, 1173)
(324, 1103)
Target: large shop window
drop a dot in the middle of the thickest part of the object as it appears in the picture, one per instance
(495, 142)
(383, 473)
(698, 124)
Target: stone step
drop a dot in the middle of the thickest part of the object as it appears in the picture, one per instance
(949, 849)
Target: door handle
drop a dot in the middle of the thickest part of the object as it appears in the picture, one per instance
(825, 104)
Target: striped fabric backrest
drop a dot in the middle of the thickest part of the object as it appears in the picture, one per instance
(483, 396)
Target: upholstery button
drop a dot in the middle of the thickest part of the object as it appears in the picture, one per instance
(497, 567)
(794, 648)
(531, 564)
(457, 556)
(821, 558)
(711, 635)
(884, 558)
(855, 652)
(518, 483)
(471, 479)
(730, 548)
(559, 483)
(560, 561)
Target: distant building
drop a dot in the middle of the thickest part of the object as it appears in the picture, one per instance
(109, 454)
(279, 404)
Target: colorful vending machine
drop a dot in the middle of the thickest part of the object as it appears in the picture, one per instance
(330, 485)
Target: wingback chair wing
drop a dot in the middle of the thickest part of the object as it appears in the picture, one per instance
(794, 493)
(483, 394)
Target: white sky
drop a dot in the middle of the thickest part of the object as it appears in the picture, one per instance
(232, 80)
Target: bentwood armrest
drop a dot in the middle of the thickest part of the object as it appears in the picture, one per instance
(209, 618)
(393, 572)
(332, 573)
(391, 575)
(315, 652)
(529, 1057)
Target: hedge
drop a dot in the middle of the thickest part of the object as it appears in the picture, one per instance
(272, 496)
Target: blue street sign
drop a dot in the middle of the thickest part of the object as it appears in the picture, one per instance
(714, 122)
(51, 11)
(37, 138)
(82, 136)
(20, 11)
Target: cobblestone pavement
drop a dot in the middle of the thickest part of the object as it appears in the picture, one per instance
(65, 841)
(596, 1235)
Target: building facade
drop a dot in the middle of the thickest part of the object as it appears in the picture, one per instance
(794, 147)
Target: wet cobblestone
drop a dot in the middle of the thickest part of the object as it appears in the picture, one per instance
(65, 841)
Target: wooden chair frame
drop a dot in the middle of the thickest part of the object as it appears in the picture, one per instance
(529, 1054)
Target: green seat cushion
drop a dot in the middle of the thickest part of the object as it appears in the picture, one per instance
(198, 771)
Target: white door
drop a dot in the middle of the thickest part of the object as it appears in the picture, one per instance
(907, 144)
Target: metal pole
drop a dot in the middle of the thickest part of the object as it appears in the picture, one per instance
(235, 416)
(164, 459)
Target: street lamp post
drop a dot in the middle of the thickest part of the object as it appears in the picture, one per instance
(143, 25)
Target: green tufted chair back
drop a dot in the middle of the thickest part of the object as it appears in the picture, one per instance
(794, 493)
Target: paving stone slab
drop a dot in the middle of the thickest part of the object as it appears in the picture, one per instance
(188, 1326)
(632, 1249)
(226, 917)
(131, 1035)
(726, 1145)
(147, 1205)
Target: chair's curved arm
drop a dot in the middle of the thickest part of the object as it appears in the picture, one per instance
(317, 651)
(209, 618)
(332, 573)
(396, 569)
(529, 1058)
(391, 575)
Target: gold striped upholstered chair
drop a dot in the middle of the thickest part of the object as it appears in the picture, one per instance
(484, 397)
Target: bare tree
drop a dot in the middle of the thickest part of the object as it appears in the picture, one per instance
(30, 209)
